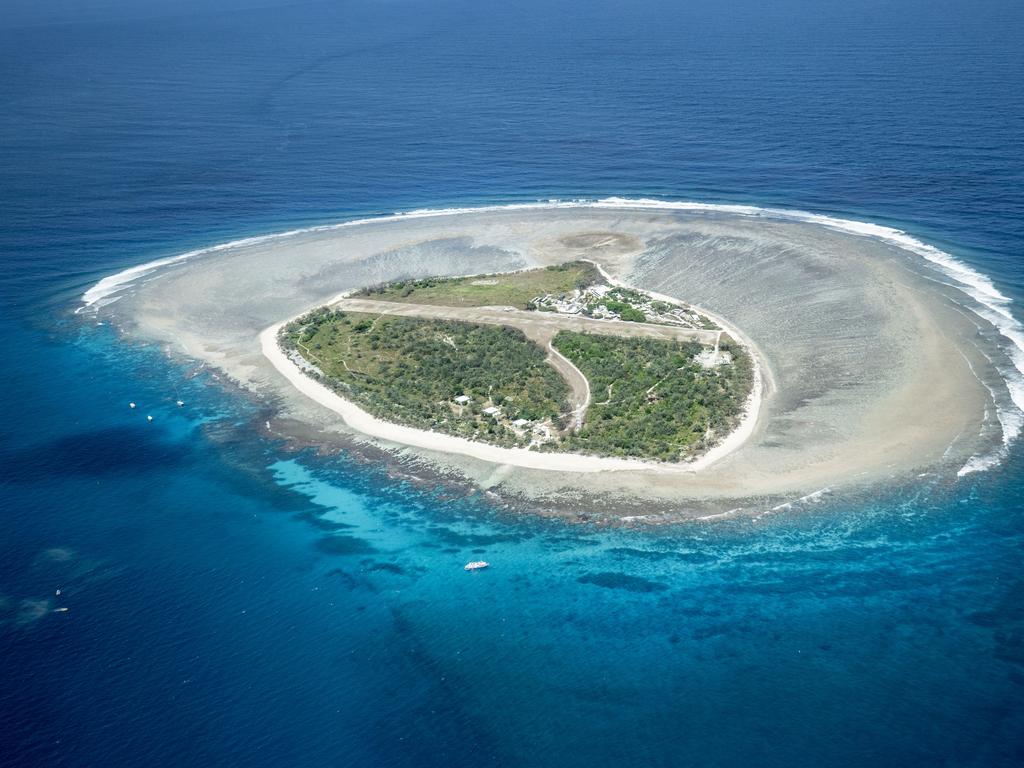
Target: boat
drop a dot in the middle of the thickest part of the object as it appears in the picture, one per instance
(476, 565)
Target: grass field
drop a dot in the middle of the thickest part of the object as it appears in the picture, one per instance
(515, 289)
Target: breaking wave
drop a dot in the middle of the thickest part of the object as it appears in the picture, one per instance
(991, 304)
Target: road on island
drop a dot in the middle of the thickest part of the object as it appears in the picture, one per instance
(580, 399)
(541, 328)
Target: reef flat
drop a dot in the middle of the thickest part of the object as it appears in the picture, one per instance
(875, 363)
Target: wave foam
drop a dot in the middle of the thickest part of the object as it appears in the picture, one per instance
(993, 305)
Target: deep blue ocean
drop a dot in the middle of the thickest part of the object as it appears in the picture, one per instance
(234, 602)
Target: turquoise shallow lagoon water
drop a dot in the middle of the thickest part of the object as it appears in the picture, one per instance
(232, 602)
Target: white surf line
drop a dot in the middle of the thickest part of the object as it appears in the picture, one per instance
(980, 463)
(994, 304)
(727, 513)
(117, 282)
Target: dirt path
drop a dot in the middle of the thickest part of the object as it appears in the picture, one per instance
(577, 382)
(530, 323)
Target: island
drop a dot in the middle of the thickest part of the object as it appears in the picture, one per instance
(552, 359)
(868, 364)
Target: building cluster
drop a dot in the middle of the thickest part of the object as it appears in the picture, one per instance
(537, 432)
(603, 302)
(572, 303)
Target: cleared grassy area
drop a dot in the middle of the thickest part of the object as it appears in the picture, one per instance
(412, 371)
(650, 398)
(515, 289)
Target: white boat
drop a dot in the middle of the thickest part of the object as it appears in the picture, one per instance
(476, 565)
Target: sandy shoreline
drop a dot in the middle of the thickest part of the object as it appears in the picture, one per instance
(358, 419)
(751, 408)
(869, 367)
(367, 424)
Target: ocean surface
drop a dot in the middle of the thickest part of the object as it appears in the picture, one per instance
(234, 602)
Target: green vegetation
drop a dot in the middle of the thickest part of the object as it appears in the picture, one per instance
(411, 371)
(623, 301)
(650, 398)
(631, 296)
(515, 289)
(625, 311)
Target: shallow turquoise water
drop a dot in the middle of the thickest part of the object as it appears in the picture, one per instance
(235, 603)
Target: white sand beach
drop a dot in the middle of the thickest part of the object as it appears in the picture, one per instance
(358, 419)
(877, 357)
